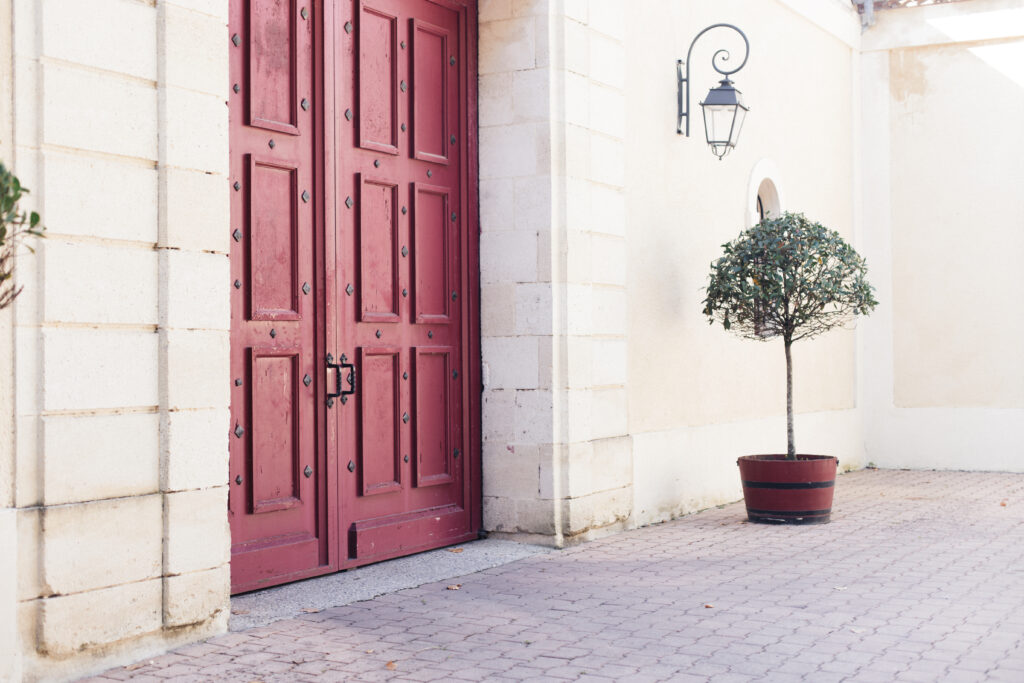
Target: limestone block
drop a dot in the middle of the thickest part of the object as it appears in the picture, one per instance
(578, 256)
(197, 290)
(495, 99)
(607, 110)
(513, 362)
(113, 36)
(609, 412)
(71, 623)
(579, 309)
(600, 465)
(100, 197)
(497, 310)
(610, 256)
(27, 462)
(197, 211)
(577, 100)
(588, 514)
(198, 368)
(577, 10)
(99, 112)
(534, 416)
(580, 215)
(87, 369)
(507, 45)
(510, 470)
(8, 589)
(498, 415)
(195, 448)
(196, 134)
(27, 80)
(514, 150)
(493, 10)
(105, 543)
(607, 160)
(30, 576)
(580, 415)
(608, 17)
(533, 309)
(510, 515)
(194, 51)
(580, 361)
(607, 60)
(531, 98)
(609, 311)
(533, 203)
(28, 342)
(90, 283)
(610, 362)
(214, 8)
(608, 206)
(497, 204)
(508, 256)
(577, 151)
(577, 48)
(99, 456)
(196, 597)
(197, 530)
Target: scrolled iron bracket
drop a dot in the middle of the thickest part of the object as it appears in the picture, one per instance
(684, 77)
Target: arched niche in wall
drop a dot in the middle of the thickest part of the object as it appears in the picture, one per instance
(764, 192)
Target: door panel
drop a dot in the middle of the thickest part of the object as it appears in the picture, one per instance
(273, 65)
(377, 246)
(430, 68)
(377, 33)
(433, 420)
(379, 458)
(432, 254)
(274, 240)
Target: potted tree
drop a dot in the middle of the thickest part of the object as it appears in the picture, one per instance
(793, 278)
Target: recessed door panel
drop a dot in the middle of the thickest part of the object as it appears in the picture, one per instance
(381, 416)
(433, 416)
(378, 250)
(273, 240)
(430, 68)
(273, 65)
(378, 79)
(432, 243)
(275, 456)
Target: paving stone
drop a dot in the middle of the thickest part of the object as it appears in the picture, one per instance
(930, 573)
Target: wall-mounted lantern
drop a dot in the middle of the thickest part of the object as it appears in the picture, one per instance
(723, 107)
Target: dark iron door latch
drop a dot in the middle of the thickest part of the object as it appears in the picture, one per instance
(350, 378)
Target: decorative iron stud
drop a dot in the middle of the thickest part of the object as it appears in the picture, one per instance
(455, 295)
(379, 334)
(405, 418)
(306, 289)
(403, 127)
(405, 375)
(349, 289)
(405, 250)
(348, 202)
(305, 13)
(239, 431)
(237, 234)
(308, 471)
(402, 44)
(307, 380)
(405, 210)
(402, 86)
(304, 104)
(455, 374)
(237, 186)
(348, 114)
(351, 466)
(272, 144)
(305, 196)
(273, 333)
(453, 139)
(239, 480)
(430, 173)
(455, 216)
(405, 292)
(236, 39)
(237, 88)
(376, 163)
(238, 381)
(456, 453)
(405, 458)
(451, 60)
(348, 27)
(430, 334)
(238, 284)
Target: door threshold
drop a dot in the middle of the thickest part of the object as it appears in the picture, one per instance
(266, 606)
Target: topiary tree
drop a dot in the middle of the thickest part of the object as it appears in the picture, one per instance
(787, 277)
(15, 225)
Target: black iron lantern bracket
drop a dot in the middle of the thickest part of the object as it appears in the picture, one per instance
(684, 76)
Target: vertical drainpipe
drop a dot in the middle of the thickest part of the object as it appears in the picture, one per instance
(867, 17)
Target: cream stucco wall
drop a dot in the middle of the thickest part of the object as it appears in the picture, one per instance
(944, 224)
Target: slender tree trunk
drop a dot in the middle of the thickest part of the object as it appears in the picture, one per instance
(790, 446)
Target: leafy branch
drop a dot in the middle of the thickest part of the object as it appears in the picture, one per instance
(15, 226)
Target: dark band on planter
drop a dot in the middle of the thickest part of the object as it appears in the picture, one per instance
(789, 485)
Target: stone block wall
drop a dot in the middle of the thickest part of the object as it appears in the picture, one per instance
(119, 459)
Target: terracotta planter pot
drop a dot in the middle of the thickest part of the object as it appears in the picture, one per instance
(780, 491)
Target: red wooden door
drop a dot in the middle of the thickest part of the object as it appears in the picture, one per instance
(279, 502)
(354, 268)
(406, 455)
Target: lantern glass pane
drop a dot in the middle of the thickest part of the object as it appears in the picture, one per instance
(741, 116)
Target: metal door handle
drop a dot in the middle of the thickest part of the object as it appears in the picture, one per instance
(350, 378)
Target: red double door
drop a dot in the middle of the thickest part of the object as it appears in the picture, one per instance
(354, 340)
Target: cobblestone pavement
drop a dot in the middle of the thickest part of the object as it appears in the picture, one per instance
(919, 577)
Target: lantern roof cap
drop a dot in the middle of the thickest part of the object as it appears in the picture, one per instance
(725, 95)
